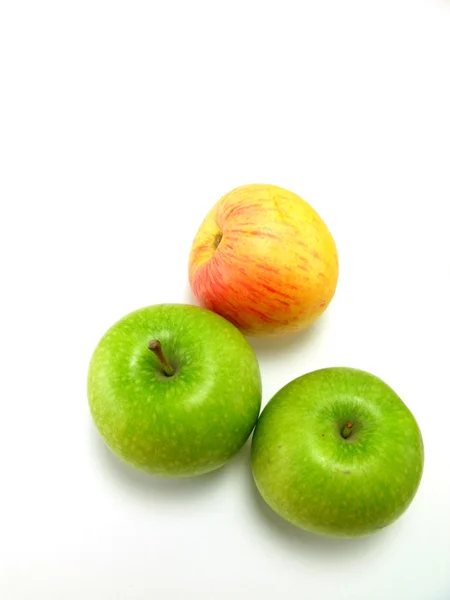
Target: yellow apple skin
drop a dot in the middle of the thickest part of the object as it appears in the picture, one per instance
(264, 259)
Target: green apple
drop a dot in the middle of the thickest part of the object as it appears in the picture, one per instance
(337, 452)
(174, 389)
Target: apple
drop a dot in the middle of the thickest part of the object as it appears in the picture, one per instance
(337, 452)
(265, 260)
(174, 389)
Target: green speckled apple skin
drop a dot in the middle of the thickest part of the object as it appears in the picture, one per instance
(313, 477)
(183, 425)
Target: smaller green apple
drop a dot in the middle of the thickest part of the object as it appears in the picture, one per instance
(174, 389)
(337, 452)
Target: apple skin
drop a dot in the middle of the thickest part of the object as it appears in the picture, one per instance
(183, 425)
(313, 477)
(265, 260)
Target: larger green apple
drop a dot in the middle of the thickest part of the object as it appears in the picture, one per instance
(174, 389)
(337, 452)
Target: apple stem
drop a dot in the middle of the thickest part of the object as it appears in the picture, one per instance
(155, 347)
(347, 430)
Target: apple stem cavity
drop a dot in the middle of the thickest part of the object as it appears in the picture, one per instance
(347, 430)
(155, 347)
(217, 240)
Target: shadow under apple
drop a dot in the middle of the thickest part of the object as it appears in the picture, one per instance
(272, 347)
(187, 296)
(178, 491)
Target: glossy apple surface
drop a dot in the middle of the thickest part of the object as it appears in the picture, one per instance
(190, 422)
(337, 452)
(264, 259)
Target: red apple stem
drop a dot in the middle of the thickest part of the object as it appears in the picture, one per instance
(347, 430)
(155, 347)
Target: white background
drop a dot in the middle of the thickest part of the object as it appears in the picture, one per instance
(121, 123)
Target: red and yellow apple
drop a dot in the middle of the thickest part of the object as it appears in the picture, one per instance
(265, 260)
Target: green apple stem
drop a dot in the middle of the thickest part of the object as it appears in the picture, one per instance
(155, 347)
(347, 430)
